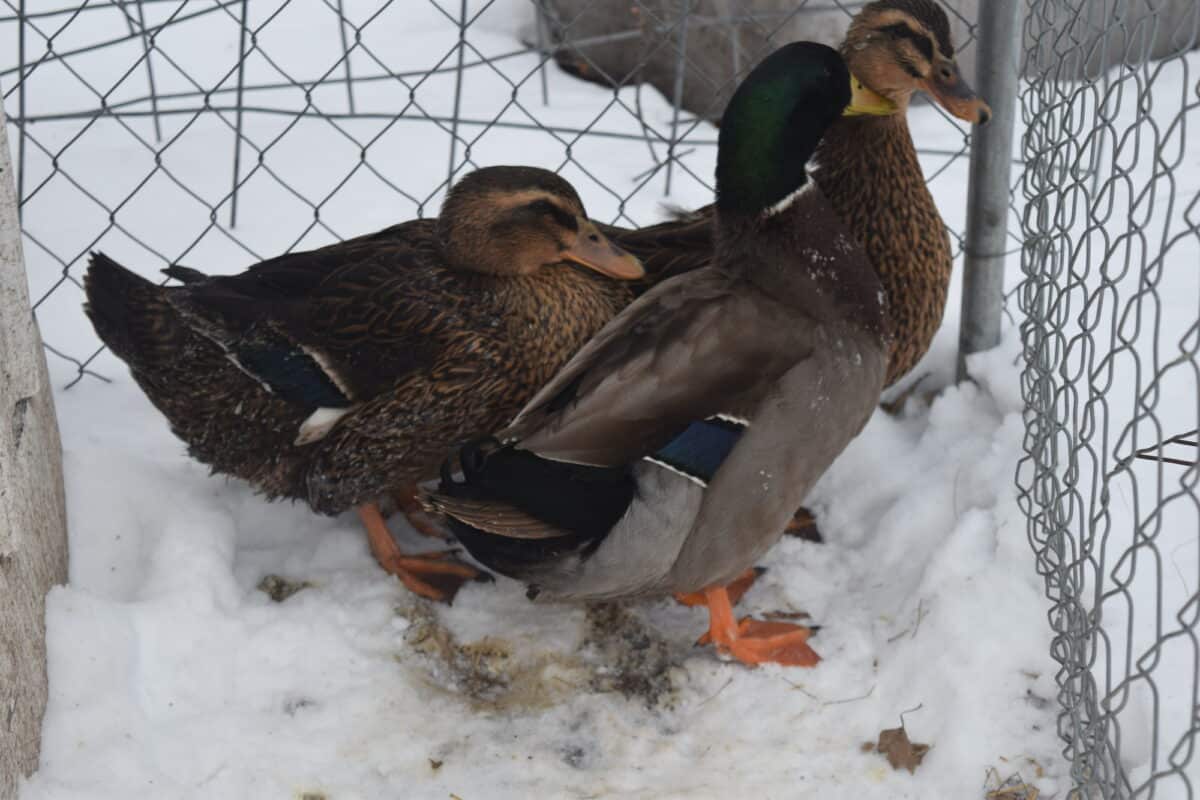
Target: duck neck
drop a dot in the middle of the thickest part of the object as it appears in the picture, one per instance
(756, 175)
(868, 169)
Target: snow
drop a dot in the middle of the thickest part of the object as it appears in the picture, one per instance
(174, 675)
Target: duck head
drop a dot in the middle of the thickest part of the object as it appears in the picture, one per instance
(897, 47)
(772, 125)
(521, 220)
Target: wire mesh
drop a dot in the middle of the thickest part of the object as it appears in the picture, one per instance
(217, 132)
(212, 104)
(1111, 329)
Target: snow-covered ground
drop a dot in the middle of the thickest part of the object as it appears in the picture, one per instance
(210, 644)
(173, 675)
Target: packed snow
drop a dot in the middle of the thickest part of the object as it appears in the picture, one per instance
(211, 644)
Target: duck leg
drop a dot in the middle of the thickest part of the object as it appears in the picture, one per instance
(753, 641)
(740, 585)
(437, 576)
(421, 520)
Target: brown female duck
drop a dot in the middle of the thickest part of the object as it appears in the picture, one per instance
(867, 166)
(344, 375)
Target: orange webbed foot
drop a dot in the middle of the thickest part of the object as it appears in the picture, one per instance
(753, 641)
(768, 642)
(437, 576)
(424, 523)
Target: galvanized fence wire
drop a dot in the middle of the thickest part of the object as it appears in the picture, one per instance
(1107, 199)
(1110, 305)
(1108, 216)
(127, 68)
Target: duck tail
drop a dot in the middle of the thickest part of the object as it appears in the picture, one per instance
(184, 274)
(515, 512)
(127, 311)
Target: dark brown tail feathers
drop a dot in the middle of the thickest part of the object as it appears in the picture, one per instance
(129, 313)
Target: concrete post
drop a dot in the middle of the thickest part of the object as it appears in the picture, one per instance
(33, 517)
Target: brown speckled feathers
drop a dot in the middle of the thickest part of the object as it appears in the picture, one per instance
(928, 12)
(868, 169)
(428, 355)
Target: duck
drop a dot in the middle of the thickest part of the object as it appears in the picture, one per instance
(667, 455)
(867, 166)
(342, 376)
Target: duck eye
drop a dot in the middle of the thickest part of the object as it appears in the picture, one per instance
(545, 208)
(593, 237)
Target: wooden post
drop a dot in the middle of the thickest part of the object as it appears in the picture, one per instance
(33, 517)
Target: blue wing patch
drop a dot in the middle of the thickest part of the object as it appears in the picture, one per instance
(292, 374)
(700, 450)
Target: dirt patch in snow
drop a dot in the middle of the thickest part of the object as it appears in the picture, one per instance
(620, 654)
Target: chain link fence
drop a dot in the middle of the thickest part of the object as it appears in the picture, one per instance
(220, 132)
(215, 133)
(1111, 326)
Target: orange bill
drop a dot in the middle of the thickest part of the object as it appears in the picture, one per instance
(595, 251)
(954, 94)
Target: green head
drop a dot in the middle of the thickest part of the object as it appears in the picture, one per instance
(773, 124)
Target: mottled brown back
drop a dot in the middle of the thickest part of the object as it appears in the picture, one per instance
(433, 356)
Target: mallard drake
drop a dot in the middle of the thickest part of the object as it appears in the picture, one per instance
(868, 168)
(671, 450)
(344, 375)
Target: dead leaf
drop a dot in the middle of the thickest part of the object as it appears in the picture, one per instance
(900, 751)
(1012, 789)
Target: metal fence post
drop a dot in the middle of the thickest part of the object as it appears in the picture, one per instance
(991, 163)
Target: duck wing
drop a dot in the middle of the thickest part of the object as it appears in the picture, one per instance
(698, 345)
(324, 328)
